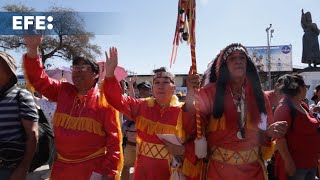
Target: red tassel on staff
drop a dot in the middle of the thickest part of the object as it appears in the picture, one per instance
(185, 29)
(186, 26)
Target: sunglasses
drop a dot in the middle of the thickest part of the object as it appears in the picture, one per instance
(80, 68)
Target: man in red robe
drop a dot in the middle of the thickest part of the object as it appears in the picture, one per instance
(87, 130)
(237, 118)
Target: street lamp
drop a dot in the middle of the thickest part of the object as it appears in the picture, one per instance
(269, 58)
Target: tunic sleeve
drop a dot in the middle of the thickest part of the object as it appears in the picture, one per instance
(112, 163)
(125, 104)
(35, 74)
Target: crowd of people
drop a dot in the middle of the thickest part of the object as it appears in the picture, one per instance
(125, 130)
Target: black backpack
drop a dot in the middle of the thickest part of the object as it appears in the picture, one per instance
(12, 152)
(45, 143)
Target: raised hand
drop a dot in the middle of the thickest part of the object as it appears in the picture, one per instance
(111, 61)
(193, 80)
(32, 42)
(132, 80)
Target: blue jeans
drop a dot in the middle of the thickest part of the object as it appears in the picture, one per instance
(304, 174)
(5, 173)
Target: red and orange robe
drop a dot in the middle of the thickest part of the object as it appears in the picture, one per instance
(153, 159)
(87, 130)
(230, 157)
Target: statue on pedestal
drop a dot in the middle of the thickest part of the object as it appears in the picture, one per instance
(310, 49)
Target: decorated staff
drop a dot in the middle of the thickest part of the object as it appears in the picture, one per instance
(185, 30)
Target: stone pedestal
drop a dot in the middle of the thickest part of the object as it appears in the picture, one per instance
(311, 77)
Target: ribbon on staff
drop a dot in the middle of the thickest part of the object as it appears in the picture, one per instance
(185, 31)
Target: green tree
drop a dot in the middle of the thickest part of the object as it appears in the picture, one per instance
(60, 45)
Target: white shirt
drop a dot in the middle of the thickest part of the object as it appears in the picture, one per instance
(48, 108)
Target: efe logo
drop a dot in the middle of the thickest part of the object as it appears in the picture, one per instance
(37, 22)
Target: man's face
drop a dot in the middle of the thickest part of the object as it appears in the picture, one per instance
(144, 92)
(163, 88)
(5, 73)
(82, 75)
(237, 64)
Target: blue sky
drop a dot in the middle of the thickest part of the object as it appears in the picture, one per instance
(145, 40)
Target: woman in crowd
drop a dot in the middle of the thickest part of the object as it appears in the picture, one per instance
(298, 151)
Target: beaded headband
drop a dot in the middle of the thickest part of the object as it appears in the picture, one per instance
(164, 75)
(233, 49)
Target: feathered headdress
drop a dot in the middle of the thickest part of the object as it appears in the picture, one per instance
(218, 73)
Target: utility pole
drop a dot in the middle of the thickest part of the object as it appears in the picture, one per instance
(269, 56)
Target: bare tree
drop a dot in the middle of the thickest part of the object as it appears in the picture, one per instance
(62, 44)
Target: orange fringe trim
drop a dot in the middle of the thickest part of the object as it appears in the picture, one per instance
(267, 151)
(179, 128)
(191, 170)
(121, 159)
(78, 123)
(103, 102)
(174, 102)
(216, 124)
(150, 127)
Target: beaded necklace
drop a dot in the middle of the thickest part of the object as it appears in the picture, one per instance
(241, 109)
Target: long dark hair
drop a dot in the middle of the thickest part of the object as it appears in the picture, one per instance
(290, 88)
(291, 84)
(291, 110)
(224, 77)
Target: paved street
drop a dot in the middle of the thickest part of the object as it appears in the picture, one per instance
(36, 175)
